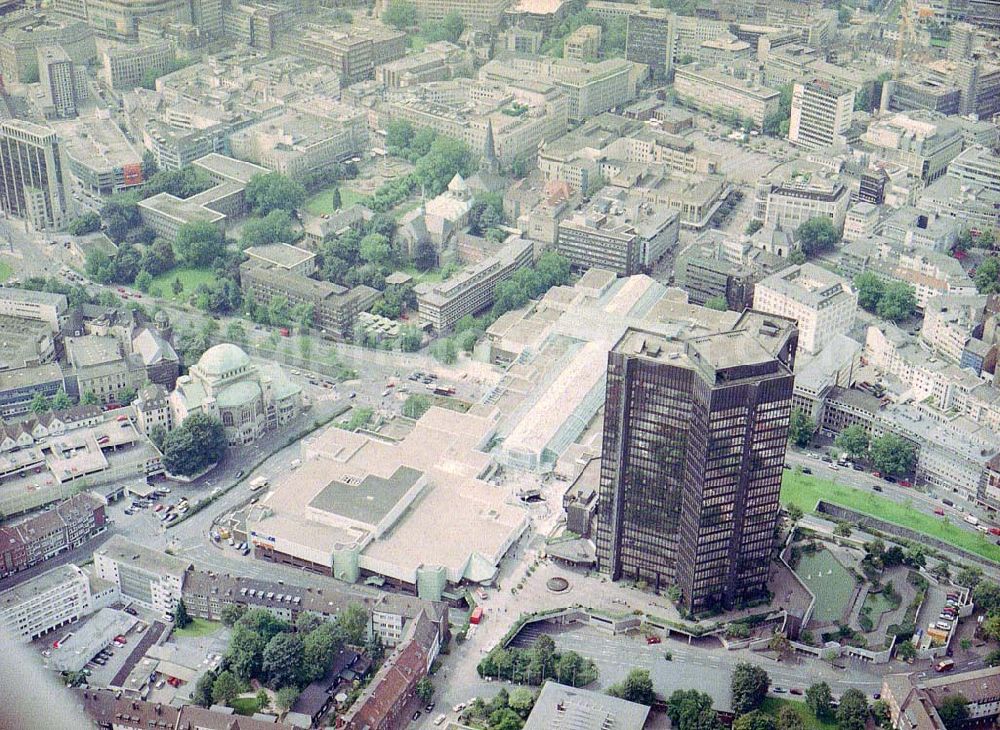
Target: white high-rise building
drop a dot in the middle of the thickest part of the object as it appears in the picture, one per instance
(821, 114)
(53, 599)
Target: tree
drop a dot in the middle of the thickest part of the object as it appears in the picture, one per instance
(90, 399)
(790, 719)
(906, 651)
(637, 687)
(275, 227)
(892, 454)
(425, 689)
(446, 158)
(992, 659)
(987, 276)
(842, 529)
(425, 256)
(755, 720)
(817, 235)
(143, 281)
(231, 613)
(273, 191)
(376, 249)
(202, 695)
(800, 428)
(969, 576)
(853, 711)
(400, 14)
(319, 648)
(753, 226)
(794, 512)
(521, 701)
(897, 302)
(158, 257)
(986, 596)
(819, 698)
(410, 338)
(246, 648)
(84, 224)
(374, 648)
(353, 623)
(954, 711)
(61, 401)
(181, 618)
(717, 303)
(177, 286)
(225, 688)
(282, 660)
(99, 266)
(39, 404)
(199, 243)
(853, 440)
(263, 701)
(689, 709)
(444, 350)
(749, 687)
(285, 698)
(990, 627)
(198, 442)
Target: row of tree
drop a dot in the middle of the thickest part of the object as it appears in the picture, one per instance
(537, 664)
(890, 454)
(892, 300)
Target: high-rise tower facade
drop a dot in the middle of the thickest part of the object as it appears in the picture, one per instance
(694, 445)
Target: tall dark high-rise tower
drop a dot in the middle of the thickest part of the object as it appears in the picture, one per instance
(695, 431)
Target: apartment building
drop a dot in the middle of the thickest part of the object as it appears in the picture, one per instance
(472, 289)
(717, 265)
(913, 701)
(38, 538)
(676, 508)
(618, 232)
(821, 114)
(46, 602)
(977, 165)
(60, 85)
(334, 307)
(709, 89)
(150, 578)
(125, 66)
(31, 180)
(98, 364)
(822, 303)
(21, 38)
(861, 221)
(53, 309)
(789, 204)
(950, 322)
(206, 594)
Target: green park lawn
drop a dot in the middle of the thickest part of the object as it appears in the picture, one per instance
(244, 705)
(198, 627)
(772, 706)
(322, 202)
(190, 278)
(5, 271)
(804, 491)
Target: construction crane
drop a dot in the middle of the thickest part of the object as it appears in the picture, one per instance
(905, 31)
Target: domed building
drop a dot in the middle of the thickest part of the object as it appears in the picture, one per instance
(249, 399)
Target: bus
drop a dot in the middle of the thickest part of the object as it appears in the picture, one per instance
(477, 615)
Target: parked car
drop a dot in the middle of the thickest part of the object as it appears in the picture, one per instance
(653, 640)
(938, 511)
(877, 487)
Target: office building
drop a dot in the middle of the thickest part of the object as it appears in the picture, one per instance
(861, 221)
(353, 52)
(619, 233)
(649, 40)
(121, 20)
(790, 203)
(21, 38)
(335, 307)
(31, 175)
(822, 303)
(148, 577)
(922, 142)
(694, 442)
(477, 14)
(471, 289)
(438, 61)
(60, 86)
(99, 365)
(125, 67)
(53, 309)
(821, 114)
(46, 602)
(709, 89)
(98, 156)
(719, 266)
(977, 166)
(561, 706)
(298, 143)
(583, 44)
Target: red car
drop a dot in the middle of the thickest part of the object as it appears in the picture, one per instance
(653, 639)
(995, 530)
(938, 511)
(876, 474)
(905, 483)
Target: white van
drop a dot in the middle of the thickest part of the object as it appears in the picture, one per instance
(258, 483)
(439, 719)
